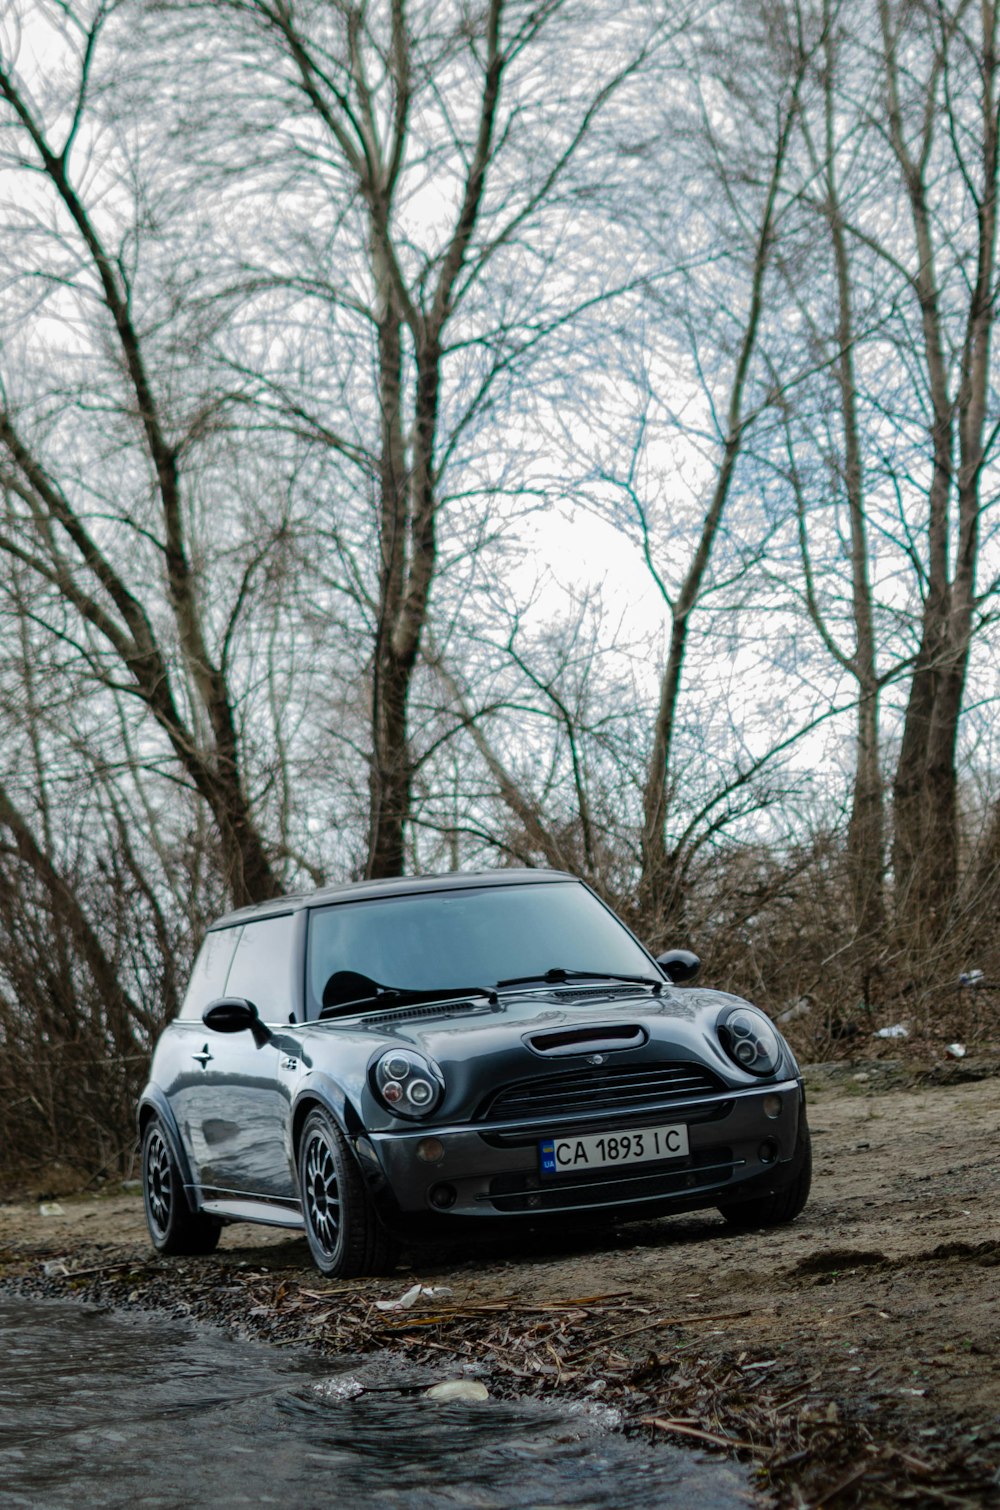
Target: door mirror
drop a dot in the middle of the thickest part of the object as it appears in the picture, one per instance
(679, 965)
(234, 1014)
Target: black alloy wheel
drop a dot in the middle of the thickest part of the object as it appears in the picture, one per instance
(344, 1233)
(173, 1226)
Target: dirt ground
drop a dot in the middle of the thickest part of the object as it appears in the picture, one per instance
(849, 1359)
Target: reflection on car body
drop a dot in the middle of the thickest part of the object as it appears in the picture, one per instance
(423, 1057)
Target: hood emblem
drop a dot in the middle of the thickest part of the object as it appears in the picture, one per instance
(595, 1058)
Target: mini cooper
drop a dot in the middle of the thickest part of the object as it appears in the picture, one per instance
(424, 1058)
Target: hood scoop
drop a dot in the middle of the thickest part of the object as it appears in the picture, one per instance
(595, 1038)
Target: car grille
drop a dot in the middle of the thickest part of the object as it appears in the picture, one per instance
(618, 1088)
(611, 1187)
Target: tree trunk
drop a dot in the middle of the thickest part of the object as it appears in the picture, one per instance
(389, 769)
(925, 789)
(866, 828)
(87, 578)
(866, 835)
(660, 888)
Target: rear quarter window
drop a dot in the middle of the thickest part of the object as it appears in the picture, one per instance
(208, 978)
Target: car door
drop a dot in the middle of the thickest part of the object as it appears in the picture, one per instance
(237, 1111)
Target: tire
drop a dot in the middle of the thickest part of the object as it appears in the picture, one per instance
(173, 1227)
(345, 1236)
(782, 1205)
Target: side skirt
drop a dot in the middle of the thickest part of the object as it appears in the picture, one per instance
(266, 1213)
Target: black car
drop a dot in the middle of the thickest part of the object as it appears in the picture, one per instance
(422, 1058)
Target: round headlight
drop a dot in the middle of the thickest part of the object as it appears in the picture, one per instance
(407, 1083)
(750, 1041)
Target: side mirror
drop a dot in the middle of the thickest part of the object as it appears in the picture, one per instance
(234, 1014)
(679, 965)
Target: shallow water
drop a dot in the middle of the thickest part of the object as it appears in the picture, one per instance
(100, 1410)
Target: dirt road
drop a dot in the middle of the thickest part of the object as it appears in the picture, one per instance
(851, 1358)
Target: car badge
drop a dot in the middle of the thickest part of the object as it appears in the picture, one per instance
(595, 1058)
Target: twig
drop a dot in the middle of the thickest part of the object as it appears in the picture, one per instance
(911, 1462)
(695, 1431)
(663, 1321)
(790, 1461)
(130, 1263)
(853, 1477)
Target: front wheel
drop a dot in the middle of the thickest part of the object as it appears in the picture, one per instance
(782, 1205)
(173, 1227)
(345, 1236)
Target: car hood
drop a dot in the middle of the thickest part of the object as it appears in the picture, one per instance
(539, 1032)
(439, 1027)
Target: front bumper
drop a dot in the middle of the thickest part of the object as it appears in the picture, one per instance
(491, 1170)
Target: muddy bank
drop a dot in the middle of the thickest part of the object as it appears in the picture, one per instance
(851, 1359)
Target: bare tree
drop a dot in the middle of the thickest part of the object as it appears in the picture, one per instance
(547, 721)
(845, 466)
(888, 447)
(435, 157)
(737, 391)
(939, 76)
(151, 638)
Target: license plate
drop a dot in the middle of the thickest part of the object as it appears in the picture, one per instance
(640, 1145)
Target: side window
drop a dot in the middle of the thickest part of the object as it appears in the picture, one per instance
(208, 978)
(263, 965)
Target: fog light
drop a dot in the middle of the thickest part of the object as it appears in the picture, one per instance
(430, 1150)
(768, 1152)
(443, 1196)
(772, 1107)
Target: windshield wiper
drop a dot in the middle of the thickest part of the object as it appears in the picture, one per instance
(557, 975)
(396, 996)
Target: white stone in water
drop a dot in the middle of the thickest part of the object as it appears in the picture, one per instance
(457, 1389)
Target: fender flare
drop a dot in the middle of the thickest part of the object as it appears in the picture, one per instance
(322, 1092)
(153, 1103)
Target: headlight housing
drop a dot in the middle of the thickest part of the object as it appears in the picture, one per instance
(750, 1041)
(407, 1084)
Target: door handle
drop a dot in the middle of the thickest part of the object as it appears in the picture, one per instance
(204, 1058)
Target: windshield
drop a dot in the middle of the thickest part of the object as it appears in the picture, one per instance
(473, 937)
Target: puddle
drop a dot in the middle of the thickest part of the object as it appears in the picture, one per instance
(103, 1409)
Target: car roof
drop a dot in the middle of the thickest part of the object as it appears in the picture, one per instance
(398, 886)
